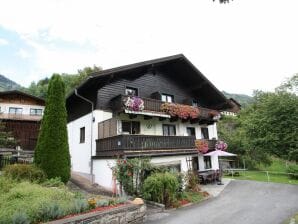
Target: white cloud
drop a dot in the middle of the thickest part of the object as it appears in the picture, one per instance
(3, 42)
(23, 54)
(240, 46)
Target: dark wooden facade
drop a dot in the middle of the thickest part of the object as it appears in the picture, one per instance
(173, 75)
(24, 127)
(25, 132)
(148, 144)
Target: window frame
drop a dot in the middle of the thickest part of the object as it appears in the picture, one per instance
(167, 96)
(15, 109)
(168, 126)
(202, 133)
(207, 162)
(191, 128)
(36, 114)
(131, 127)
(195, 103)
(131, 88)
(82, 135)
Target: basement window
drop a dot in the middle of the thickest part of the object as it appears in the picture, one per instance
(82, 135)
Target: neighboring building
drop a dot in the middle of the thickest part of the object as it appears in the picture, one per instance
(118, 127)
(21, 113)
(234, 109)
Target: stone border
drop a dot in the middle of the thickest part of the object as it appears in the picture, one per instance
(127, 214)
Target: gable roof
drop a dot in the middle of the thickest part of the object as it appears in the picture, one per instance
(179, 66)
(17, 92)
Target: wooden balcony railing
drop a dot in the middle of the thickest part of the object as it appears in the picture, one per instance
(147, 142)
(153, 105)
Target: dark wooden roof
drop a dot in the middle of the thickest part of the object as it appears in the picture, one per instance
(17, 92)
(178, 67)
(236, 102)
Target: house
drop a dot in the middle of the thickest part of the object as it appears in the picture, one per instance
(21, 113)
(128, 112)
(234, 109)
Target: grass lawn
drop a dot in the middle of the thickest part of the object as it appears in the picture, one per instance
(262, 176)
(278, 166)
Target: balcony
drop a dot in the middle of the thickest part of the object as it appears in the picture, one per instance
(154, 107)
(147, 143)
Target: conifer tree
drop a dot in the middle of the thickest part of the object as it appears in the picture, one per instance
(52, 152)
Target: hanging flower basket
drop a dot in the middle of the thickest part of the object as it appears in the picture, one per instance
(221, 145)
(202, 145)
(133, 103)
(182, 111)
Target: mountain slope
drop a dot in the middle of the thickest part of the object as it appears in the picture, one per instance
(243, 99)
(7, 84)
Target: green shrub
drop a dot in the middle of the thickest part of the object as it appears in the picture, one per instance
(29, 198)
(52, 152)
(293, 169)
(79, 205)
(192, 181)
(102, 203)
(27, 172)
(53, 182)
(20, 218)
(50, 211)
(161, 188)
(121, 200)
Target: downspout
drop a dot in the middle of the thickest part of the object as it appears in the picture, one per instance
(92, 109)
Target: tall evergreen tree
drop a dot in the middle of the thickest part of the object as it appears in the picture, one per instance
(52, 152)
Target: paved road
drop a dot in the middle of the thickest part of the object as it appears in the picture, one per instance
(241, 202)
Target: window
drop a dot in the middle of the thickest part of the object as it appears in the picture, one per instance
(195, 103)
(131, 127)
(169, 130)
(35, 112)
(131, 91)
(82, 135)
(191, 131)
(15, 110)
(207, 162)
(167, 98)
(204, 133)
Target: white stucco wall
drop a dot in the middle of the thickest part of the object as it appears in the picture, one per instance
(154, 126)
(80, 152)
(104, 176)
(103, 172)
(4, 107)
(172, 159)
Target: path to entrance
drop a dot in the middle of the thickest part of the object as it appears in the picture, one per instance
(241, 202)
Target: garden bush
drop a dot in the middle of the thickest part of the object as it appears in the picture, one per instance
(161, 188)
(79, 205)
(20, 218)
(27, 172)
(102, 203)
(53, 182)
(50, 211)
(31, 199)
(293, 169)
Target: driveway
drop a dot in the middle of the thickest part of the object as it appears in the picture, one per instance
(241, 202)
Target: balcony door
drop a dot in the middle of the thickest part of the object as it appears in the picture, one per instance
(131, 127)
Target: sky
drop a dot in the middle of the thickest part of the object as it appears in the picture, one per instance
(240, 47)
